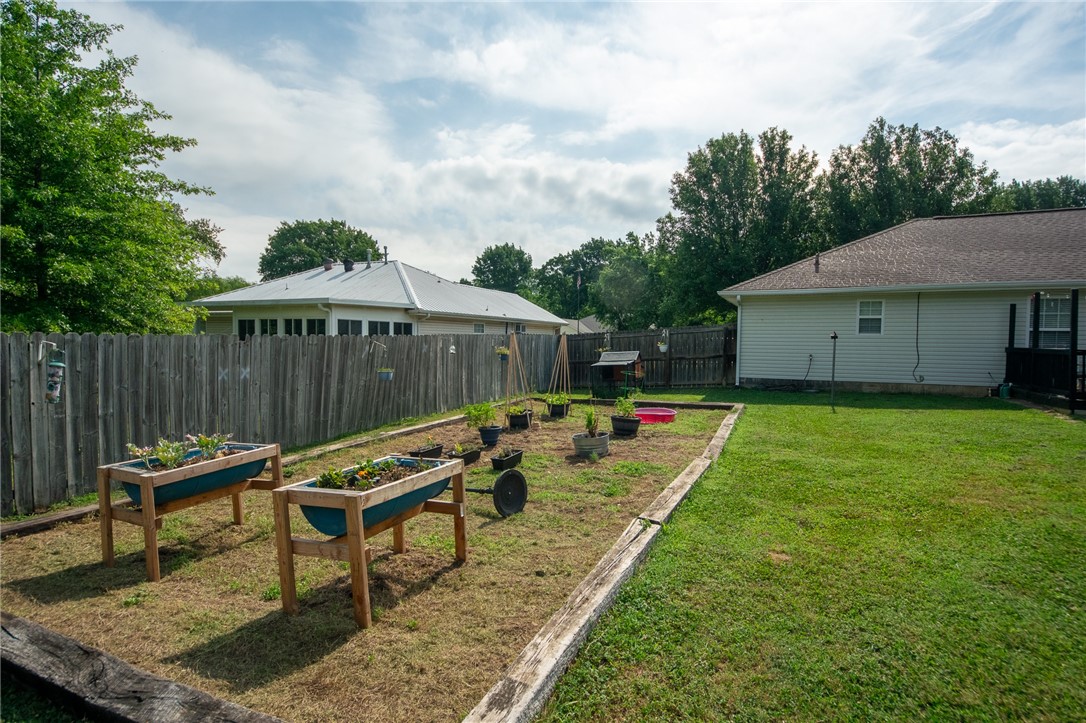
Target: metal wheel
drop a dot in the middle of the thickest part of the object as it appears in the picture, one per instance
(510, 492)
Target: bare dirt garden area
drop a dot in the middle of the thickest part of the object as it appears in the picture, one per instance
(443, 632)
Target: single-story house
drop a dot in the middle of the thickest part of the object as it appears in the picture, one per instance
(934, 304)
(588, 325)
(372, 298)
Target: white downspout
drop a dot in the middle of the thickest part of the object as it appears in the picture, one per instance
(328, 321)
(738, 336)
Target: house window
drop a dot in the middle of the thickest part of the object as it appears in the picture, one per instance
(1055, 320)
(870, 317)
(246, 328)
(379, 328)
(349, 326)
(402, 328)
(292, 327)
(269, 326)
(316, 326)
(520, 328)
(480, 328)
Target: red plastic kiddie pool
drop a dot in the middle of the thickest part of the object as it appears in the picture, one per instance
(654, 415)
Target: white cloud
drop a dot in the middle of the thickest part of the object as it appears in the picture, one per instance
(1033, 151)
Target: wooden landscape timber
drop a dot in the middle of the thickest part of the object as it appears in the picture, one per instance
(529, 681)
(89, 680)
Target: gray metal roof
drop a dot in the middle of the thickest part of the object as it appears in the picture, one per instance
(394, 284)
(1035, 247)
(617, 358)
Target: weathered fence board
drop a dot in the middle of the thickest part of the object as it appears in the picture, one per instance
(294, 390)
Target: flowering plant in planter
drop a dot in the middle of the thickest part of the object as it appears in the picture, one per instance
(168, 455)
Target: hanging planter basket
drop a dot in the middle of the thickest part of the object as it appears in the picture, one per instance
(384, 375)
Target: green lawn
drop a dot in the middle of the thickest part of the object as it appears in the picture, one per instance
(903, 558)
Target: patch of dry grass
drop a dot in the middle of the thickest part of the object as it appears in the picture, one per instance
(443, 632)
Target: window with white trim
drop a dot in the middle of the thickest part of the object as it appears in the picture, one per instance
(479, 328)
(292, 327)
(1054, 328)
(379, 328)
(869, 317)
(316, 326)
(403, 328)
(269, 327)
(246, 328)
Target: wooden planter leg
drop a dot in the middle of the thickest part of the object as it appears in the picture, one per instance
(239, 508)
(459, 523)
(288, 593)
(398, 544)
(105, 517)
(150, 530)
(356, 549)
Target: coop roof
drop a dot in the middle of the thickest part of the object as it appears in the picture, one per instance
(617, 358)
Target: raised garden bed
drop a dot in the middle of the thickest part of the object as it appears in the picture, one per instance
(220, 626)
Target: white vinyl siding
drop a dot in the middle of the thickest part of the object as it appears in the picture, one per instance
(962, 337)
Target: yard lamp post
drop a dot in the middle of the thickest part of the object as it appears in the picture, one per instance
(833, 372)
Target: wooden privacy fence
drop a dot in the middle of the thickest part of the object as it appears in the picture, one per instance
(697, 356)
(294, 390)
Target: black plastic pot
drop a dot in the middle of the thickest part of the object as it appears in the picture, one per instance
(509, 462)
(431, 452)
(558, 410)
(490, 434)
(520, 421)
(625, 426)
(467, 457)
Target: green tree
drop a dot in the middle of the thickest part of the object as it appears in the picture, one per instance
(627, 291)
(1063, 192)
(92, 238)
(563, 284)
(739, 209)
(504, 267)
(213, 284)
(897, 173)
(301, 245)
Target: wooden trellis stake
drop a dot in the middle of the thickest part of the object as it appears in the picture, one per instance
(560, 372)
(516, 381)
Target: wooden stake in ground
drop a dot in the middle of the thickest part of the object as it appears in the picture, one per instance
(560, 372)
(516, 381)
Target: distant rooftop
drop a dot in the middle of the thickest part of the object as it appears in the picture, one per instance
(393, 284)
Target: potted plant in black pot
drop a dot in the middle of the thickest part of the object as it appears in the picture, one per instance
(506, 458)
(481, 416)
(519, 417)
(624, 422)
(557, 404)
(468, 453)
(503, 352)
(429, 450)
(591, 441)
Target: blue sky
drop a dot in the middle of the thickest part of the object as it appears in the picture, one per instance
(444, 128)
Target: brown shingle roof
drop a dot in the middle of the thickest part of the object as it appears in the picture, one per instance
(990, 249)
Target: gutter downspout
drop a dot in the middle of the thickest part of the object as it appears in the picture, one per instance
(328, 320)
(738, 337)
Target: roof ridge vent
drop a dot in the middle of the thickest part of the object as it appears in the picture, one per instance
(327, 264)
(348, 265)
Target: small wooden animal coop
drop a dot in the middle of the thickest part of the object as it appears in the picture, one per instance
(618, 373)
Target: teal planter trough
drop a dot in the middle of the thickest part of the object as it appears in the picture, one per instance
(333, 522)
(200, 483)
